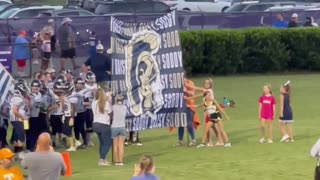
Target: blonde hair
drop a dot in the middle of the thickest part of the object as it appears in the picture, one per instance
(146, 164)
(269, 87)
(210, 82)
(100, 96)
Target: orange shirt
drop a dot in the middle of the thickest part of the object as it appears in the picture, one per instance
(11, 174)
(188, 92)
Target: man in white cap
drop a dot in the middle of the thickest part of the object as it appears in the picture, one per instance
(294, 21)
(100, 65)
(66, 41)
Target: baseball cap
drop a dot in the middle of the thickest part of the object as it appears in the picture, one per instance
(6, 153)
(65, 20)
(51, 70)
(22, 32)
(100, 46)
(294, 15)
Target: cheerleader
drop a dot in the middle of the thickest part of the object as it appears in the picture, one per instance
(214, 111)
(285, 119)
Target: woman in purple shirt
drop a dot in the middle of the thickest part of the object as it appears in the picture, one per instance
(144, 170)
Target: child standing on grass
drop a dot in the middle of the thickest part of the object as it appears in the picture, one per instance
(208, 86)
(214, 111)
(266, 113)
(285, 119)
(118, 129)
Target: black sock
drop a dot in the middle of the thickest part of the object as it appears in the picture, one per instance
(15, 150)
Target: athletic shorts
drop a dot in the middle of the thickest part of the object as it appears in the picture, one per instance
(66, 129)
(69, 53)
(89, 120)
(56, 124)
(46, 55)
(19, 133)
(118, 132)
(21, 63)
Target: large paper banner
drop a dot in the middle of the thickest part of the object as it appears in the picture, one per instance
(147, 69)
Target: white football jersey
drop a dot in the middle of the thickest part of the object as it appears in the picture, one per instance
(59, 111)
(89, 94)
(35, 104)
(18, 101)
(80, 106)
(68, 101)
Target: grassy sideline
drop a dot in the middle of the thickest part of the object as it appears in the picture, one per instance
(246, 160)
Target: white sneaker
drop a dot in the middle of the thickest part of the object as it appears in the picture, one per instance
(284, 138)
(201, 145)
(72, 149)
(227, 145)
(103, 163)
(262, 140)
(270, 141)
(291, 140)
(119, 164)
(78, 144)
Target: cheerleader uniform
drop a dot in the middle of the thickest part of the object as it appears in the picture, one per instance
(287, 111)
(213, 114)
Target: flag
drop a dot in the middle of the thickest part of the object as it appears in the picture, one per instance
(6, 83)
(147, 69)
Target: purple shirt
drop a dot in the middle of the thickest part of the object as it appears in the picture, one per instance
(145, 177)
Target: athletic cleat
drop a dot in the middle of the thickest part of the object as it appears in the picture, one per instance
(270, 141)
(119, 164)
(78, 144)
(284, 138)
(227, 145)
(72, 149)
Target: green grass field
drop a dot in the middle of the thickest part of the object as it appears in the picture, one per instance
(246, 159)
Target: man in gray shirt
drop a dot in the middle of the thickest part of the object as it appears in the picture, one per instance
(44, 164)
(66, 41)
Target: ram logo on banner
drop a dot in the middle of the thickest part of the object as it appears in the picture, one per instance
(147, 69)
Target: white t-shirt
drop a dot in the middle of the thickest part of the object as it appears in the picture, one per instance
(99, 117)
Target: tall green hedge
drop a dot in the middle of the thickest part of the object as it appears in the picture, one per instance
(255, 50)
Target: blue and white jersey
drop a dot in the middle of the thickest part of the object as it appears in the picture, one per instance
(35, 104)
(80, 108)
(89, 94)
(46, 102)
(68, 101)
(18, 101)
